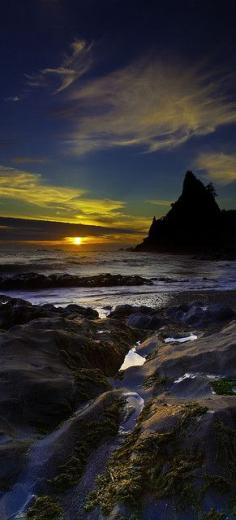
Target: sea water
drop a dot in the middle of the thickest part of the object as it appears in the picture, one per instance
(169, 274)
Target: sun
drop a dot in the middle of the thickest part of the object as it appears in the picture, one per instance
(77, 241)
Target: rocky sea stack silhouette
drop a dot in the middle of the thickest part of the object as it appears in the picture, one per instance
(195, 223)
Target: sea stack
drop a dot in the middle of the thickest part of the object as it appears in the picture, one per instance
(194, 223)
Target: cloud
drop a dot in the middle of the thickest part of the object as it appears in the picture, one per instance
(74, 65)
(220, 167)
(150, 104)
(26, 195)
(13, 99)
(73, 203)
(28, 160)
(12, 229)
(160, 202)
(29, 187)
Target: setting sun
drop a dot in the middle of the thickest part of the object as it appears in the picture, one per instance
(77, 241)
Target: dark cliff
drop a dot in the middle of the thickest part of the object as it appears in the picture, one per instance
(194, 223)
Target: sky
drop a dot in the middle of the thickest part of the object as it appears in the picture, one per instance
(104, 106)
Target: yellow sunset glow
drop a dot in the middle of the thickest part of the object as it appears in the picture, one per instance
(75, 241)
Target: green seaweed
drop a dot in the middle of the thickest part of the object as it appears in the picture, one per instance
(220, 484)
(90, 382)
(226, 447)
(144, 464)
(233, 509)
(45, 508)
(155, 380)
(214, 515)
(92, 435)
(224, 386)
(191, 410)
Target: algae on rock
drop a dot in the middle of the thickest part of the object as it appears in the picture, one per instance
(92, 435)
(45, 508)
(224, 386)
(90, 382)
(150, 462)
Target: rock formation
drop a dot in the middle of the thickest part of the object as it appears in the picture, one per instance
(194, 223)
(81, 439)
(29, 281)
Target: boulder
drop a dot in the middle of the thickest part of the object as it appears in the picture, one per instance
(214, 354)
(140, 320)
(201, 315)
(15, 311)
(122, 312)
(41, 381)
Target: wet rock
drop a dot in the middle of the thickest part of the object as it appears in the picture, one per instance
(138, 317)
(148, 346)
(29, 281)
(79, 437)
(53, 360)
(13, 456)
(54, 378)
(200, 315)
(57, 462)
(173, 458)
(15, 311)
(140, 320)
(41, 362)
(211, 354)
(74, 310)
(122, 312)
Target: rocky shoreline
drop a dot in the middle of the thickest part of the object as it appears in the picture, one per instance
(31, 281)
(82, 439)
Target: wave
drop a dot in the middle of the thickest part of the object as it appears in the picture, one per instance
(30, 266)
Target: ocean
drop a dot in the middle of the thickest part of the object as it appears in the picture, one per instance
(169, 273)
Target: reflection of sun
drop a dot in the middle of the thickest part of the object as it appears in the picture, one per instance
(77, 241)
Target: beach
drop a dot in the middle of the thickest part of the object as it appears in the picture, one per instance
(99, 379)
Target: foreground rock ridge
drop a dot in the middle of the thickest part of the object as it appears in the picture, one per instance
(82, 440)
(194, 223)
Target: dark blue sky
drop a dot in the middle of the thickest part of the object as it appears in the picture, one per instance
(105, 105)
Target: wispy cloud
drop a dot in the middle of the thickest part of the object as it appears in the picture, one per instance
(13, 229)
(26, 195)
(151, 104)
(28, 160)
(220, 167)
(65, 201)
(73, 66)
(158, 202)
(13, 99)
